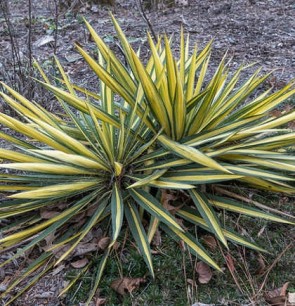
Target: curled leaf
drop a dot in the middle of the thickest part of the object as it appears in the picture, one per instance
(276, 300)
(278, 296)
(81, 263)
(230, 263)
(126, 284)
(100, 301)
(210, 241)
(204, 272)
(58, 269)
(261, 267)
(104, 242)
(157, 239)
(166, 198)
(84, 248)
(182, 245)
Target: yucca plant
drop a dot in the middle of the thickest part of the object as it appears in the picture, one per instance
(109, 156)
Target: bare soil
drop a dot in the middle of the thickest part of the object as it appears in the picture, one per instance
(250, 31)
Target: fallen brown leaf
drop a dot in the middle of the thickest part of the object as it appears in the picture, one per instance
(166, 198)
(79, 217)
(91, 210)
(59, 251)
(81, 263)
(288, 108)
(172, 209)
(81, 249)
(275, 113)
(100, 301)
(84, 248)
(126, 284)
(104, 242)
(276, 300)
(154, 252)
(48, 214)
(261, 265)
(284, 289)
(88, 237)
(210, 241)
(49, 239)
(230, 263)
(180, 222)
(58, 269)
(204, 272)
(182, 245)
(291, 125)
(157, 239)
(278, 296)
(116, 245)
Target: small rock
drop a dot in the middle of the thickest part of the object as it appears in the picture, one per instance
(291, 297)
(94, 8)
(181, 2)
(44, 40)
(3, 287)
(44, 295)
(2, 272)
(73, 57)
(202, 304)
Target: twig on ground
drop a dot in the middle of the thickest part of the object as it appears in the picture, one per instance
(144, 16)
(15, 54)
(56, 3)
(30, 37)
(230, 265)
(268, 270)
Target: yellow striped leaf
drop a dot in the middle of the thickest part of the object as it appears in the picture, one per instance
(166, 184)
(203, 177)
(190, 153)
(18, 157)
(237, 207)
(73, 159)
(190, 215)
(117, 209)
(193, 244)
(50, 168)
(88, 226)
(154, 207)
(153, 97)
(149, 178)
(139, 234)
(206, 211)
(80, 104)
(55, 191)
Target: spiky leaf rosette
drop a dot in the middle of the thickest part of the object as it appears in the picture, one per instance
(151, 127)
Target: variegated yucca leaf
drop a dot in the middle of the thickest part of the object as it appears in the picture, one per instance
(168, 125)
